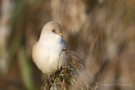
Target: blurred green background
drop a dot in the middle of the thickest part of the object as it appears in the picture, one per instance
(101, 32)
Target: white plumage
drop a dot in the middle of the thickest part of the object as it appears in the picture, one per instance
(46, 52)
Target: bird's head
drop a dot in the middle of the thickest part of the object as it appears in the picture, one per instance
(51, 32)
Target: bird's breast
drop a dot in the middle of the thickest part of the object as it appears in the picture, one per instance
(47, 56)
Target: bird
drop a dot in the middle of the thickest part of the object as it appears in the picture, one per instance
(46, 53)
(49, 57)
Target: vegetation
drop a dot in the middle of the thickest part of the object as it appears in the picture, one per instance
(101, 32)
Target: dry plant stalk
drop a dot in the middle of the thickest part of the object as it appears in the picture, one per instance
(64, 78)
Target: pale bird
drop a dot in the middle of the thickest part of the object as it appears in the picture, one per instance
(46, 52)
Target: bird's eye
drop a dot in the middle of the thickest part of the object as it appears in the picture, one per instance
(53, 31)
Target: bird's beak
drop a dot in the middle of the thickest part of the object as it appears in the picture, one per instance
(59, 33)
